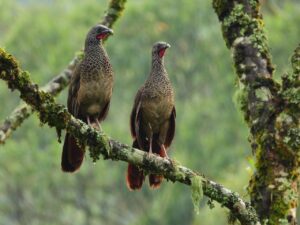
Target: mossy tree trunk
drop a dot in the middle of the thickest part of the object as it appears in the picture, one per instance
(270, 109)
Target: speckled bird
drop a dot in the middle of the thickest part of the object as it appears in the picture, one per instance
(90, 92)
(152, 120)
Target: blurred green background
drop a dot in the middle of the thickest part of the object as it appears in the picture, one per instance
(211, 136)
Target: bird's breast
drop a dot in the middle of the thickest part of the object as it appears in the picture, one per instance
(156, 111)
(94, 95)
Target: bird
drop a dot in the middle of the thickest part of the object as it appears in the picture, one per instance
(89, 93)
(152, 120)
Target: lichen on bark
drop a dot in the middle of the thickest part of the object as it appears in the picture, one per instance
(270, 109)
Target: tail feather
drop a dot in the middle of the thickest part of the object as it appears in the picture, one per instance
(135, 176)
(156, 180)
(72, 155)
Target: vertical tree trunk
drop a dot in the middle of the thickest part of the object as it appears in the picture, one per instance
(271, 111)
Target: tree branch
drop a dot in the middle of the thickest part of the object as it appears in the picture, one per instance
(58, 83)
(57, 116)
(266, 108)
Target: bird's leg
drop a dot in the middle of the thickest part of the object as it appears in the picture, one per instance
(99, 125)
(167, 157)
(88, 120)
(165, 151)
(150, 139)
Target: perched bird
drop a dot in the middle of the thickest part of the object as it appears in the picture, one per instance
(89, 93)
(152, 120)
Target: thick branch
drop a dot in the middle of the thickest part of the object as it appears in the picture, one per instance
(57, 116)
(264, 109)
(58, 83)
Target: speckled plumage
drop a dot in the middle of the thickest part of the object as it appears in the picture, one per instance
(153, 116)
(89, 93)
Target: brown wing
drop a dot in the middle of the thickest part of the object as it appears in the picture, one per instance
(73, 90)
(140, 130)
(104, 112)
(171, 130)
(134, 112)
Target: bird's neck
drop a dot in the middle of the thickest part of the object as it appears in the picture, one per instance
(96, 50)
(158, 67)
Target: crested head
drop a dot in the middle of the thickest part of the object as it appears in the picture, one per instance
(159, 49)
(96, 34)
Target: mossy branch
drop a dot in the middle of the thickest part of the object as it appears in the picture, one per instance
(271, 111)
(99, 143)
(58, 83)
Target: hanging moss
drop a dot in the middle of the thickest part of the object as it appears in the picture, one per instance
(197, 192)
(295, 61)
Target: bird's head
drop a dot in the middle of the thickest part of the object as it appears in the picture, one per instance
(159, 49)
(98, 33)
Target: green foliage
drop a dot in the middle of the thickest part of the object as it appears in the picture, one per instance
(210, 135)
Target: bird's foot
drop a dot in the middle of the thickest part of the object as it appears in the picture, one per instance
(88, 120)
(166, 156)
(99, 125)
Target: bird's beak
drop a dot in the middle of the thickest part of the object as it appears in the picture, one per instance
(168, 46)
(109, 31)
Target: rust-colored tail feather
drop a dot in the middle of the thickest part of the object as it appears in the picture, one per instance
(135, 176)
(156, 180)
(72, 155)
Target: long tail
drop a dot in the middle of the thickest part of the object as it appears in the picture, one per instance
(72, 155)
(156, 180)
(135, 176)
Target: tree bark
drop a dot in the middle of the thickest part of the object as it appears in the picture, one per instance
(271, 111)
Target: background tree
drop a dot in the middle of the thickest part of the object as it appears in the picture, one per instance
(203, 90)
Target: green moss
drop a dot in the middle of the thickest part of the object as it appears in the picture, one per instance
(293, 138)
(95, 149)
(106, 145)
(236, 24)
(243, 31)
(263, 94)
(197, 192)
(232, 220)
(292, 95)
(240, 98)
(295, 60)
(254, 4)
(24, 78)
(179, 175)
(288, 128)
(115, 9)
(222, 8)
(94, 154)
(7, 61)
(210, 203)
(275, 183)
(239, 23)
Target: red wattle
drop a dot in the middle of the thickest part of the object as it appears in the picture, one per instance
(101, 36)
(161, 53)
